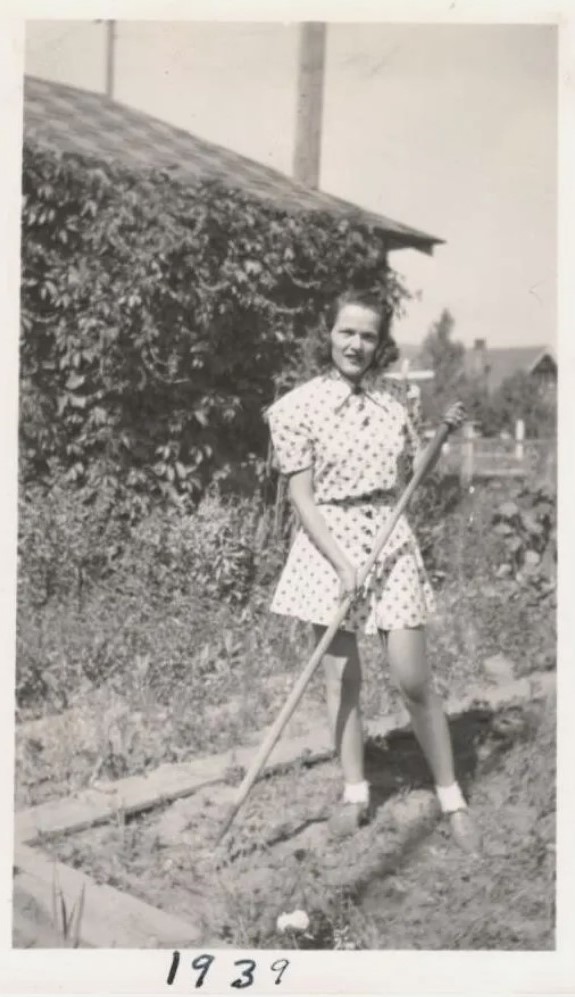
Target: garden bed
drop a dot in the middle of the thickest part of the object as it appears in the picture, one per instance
(399, 883)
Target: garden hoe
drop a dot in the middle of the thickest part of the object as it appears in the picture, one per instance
(428, 459)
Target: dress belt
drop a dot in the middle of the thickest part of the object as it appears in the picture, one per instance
(380, 496)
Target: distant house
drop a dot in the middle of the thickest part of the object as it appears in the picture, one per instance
(493, 365)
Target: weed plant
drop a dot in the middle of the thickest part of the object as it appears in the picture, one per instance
(154, 641)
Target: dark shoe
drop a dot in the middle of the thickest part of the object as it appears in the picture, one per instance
(347, 818)
(464, 832)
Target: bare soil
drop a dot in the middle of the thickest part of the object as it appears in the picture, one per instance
(399, 883)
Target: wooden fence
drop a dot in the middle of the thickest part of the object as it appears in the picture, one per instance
(474, 457)
(469, 458)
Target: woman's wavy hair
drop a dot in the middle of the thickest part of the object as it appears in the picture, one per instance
(386, 352)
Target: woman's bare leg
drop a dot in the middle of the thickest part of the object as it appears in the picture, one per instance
(410, 668)
(343, 685)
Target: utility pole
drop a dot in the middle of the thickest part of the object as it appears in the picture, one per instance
(111, 35)
(310, 85)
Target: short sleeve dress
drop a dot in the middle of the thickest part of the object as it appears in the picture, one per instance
(359, 443)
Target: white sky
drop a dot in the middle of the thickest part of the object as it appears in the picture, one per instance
(449, 128)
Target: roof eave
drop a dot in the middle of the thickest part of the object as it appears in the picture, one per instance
(423, 245)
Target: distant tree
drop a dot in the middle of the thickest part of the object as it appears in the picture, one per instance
(518, 397)
(444, 356)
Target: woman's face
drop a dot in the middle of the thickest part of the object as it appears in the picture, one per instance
(354, 340)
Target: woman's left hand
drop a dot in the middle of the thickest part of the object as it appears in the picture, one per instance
(455, 415)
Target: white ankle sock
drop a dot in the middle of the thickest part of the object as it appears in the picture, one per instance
(356, 792)
(450, 798)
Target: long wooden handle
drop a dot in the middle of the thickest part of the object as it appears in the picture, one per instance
(295, 695)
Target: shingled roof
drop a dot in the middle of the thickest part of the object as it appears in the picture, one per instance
(500, 362)
(87, 123)
(503, 363)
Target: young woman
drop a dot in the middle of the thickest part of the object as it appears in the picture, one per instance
(346, 439)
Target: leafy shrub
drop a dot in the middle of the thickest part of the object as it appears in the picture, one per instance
(489, 604)
(97, 592)
(436, 499)
(156, 318)
(67, 542)
(528, 530)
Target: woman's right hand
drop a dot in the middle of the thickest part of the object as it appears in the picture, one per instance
(347, 574)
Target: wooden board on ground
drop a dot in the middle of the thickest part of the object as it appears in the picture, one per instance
(174, 781)
(31, 927)
(138, 793)
(110, 919)
(111, 799)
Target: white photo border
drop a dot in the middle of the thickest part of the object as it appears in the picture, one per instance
(127, 972)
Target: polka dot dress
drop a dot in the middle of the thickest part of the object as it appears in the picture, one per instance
(359, 443)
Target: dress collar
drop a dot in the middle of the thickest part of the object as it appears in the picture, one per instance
(343, 391)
